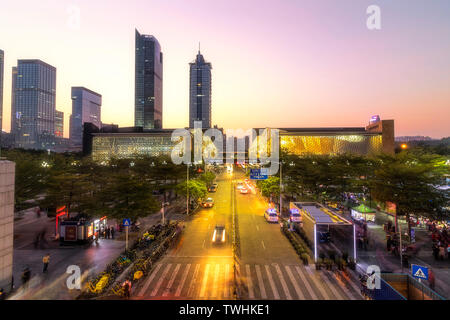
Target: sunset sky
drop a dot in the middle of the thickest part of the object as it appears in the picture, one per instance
(289, 63)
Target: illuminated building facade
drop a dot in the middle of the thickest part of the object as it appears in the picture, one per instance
(106, 146)
(2, 65)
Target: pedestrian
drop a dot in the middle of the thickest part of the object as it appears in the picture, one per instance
(431, 279)
(46, 260)
(112, 232)
(108, 233)
(388, 244)
(435, 251)
(441, 252)
(26, 275)
(12, 284)
(127, 289)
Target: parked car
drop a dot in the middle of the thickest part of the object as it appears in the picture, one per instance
(213, 188)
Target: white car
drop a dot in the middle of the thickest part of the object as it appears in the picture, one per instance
(271, 215)
(239, 185)
(295, 216)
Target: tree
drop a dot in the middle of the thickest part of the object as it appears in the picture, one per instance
(409, 181)
(128, 196)
(208, 178)
(197, 189)
(270, 187)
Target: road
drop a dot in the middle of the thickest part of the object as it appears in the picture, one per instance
(267, 266)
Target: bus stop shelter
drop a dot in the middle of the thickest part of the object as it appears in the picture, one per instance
(318, 220)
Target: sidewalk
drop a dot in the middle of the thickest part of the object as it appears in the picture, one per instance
(388, 262)
(91, 259)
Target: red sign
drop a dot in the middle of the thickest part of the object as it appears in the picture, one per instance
(71, 233)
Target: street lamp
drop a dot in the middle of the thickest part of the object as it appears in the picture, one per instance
(187, 188)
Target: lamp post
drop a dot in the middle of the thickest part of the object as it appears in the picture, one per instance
(187, 189)
(281, 184)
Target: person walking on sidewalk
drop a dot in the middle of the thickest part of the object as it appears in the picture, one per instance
(46, 261)
(26, 275)
(112, 232)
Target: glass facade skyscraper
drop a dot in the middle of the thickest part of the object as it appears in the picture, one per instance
(86, 107)
(148, 82)
(200, 92)
(34, 94)
(2, 66)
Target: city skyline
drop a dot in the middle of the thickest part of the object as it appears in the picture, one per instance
(309, 83)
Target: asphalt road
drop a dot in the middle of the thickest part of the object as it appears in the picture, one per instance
(267, 266)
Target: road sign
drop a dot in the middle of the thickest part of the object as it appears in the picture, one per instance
(126, 222)
(419, 272)
(259, 174)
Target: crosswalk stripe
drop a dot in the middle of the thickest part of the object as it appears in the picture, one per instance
(205, 280)
(183, 280)
(300, 294)
(150, 279)
(283, 283)
(161, 279)
(172, 279)
(272, 284)
(305, 281)
(251, 294)
(193, 280)
(318, 283)
(328, 281)
(216, 278)
(226, 287)
(262, 289)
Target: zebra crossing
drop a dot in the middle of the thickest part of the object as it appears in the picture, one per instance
(270, 281)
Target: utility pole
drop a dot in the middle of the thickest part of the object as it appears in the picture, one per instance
(187, 189)
(281, 177)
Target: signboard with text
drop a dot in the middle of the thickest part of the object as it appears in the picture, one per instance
(259, 174)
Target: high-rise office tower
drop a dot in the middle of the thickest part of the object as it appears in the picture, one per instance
(200, 92)
(14, 118)
(148, 82)
(86, 107)
(2, 66)
(34, 94)
(59, 124)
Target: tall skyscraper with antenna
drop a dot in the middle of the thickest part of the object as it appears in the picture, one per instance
(200, 91)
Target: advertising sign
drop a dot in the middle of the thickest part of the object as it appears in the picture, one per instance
(70, 233)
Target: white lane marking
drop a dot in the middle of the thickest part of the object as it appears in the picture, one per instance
(307, 285)
(183, 280)
(216, 279)
(193, 280)
(150, 279)
(299, 292)
(203, 245)
(260, 282)
(257, 227)
(283, 283)
(262, 242)
(251, 293)
(205, 281)
(161, 279)
(226, 287)
(330, 283)
(172, 279)
(272, 284)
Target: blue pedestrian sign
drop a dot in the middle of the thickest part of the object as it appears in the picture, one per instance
(126, 222)
(419, 272)
(258, 174)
